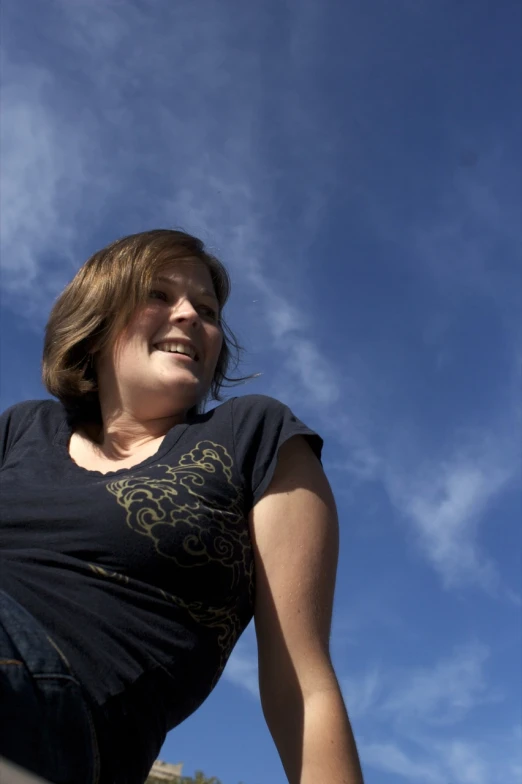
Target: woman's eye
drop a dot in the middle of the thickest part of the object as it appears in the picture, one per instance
(209, 312)
(157, 294)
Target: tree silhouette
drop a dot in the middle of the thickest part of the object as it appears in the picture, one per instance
(200, 778)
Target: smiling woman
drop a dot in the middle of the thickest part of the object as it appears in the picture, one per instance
(139, 534)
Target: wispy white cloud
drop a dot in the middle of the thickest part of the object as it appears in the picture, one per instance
(390, 758)
(443, 693)
(515, 761)
(473, 760)
(242, 668)
(362, 692)
(457, 761)
(465, 763)
(44, 164)
(445, 501)
(242, 671)
(414, 708)
(314, 372)
(437, 695)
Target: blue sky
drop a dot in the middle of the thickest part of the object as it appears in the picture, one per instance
(357, 166)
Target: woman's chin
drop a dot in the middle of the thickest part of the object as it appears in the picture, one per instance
(187, 388)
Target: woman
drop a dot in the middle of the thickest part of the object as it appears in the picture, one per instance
(140, 534)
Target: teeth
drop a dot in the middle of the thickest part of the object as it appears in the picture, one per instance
(177, 348)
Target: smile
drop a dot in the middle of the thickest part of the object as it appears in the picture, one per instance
(177, 348)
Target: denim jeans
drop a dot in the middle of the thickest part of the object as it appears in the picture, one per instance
(45, 723)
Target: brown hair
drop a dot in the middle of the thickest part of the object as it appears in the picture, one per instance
(100, 301)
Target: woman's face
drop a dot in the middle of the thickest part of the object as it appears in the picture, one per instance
(164, 360)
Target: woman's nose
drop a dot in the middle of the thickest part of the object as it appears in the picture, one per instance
(184, 310)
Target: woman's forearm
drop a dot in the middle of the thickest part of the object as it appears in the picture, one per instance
(329, 750)
(319, 746)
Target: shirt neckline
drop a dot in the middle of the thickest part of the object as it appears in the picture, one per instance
(64, 432)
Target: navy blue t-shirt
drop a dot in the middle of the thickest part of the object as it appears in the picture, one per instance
(144, 567)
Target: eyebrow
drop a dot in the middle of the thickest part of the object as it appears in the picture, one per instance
(200, 289)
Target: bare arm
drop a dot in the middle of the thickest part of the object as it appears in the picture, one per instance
(295, 532)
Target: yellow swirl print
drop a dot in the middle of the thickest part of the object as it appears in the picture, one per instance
(209, 523)
(101, 572)
(220, 618)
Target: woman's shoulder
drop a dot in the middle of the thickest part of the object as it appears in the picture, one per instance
(16, 420)
(253, 405)
(260, 425)
(255, 418)
(244, 412)
(27, 409)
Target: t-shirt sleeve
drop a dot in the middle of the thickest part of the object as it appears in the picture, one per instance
(13, 422)
(261, 426)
